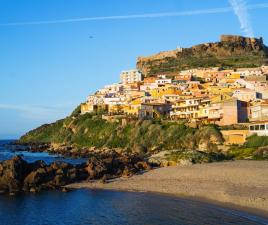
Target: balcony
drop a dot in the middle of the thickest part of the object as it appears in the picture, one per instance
(215, 116)
(185, 106)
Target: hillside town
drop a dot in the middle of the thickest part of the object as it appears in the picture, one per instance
(198, 96)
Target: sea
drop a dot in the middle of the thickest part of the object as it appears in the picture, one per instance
(99, 207)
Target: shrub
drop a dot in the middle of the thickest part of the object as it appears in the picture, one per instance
(255, 141)
(91, 130)
(196, 156)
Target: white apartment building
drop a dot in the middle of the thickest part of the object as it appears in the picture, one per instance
(246, 84)
(95, 99)
(115, 100)
(245, 72)
(130, 76)
(111, 89)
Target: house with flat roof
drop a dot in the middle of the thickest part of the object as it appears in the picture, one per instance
(130, 76)
(188, 108)
(154, 110)
(259, 128)
(258, 110)
(245, 94)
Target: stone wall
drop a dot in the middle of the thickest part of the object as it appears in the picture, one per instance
(236, 38)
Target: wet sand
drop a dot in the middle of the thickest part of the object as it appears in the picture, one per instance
(241, 184)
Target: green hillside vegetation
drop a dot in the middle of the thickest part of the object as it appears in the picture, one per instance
(90, 130)
(190, 62)
(255, 148)
(197, 156)
(146, 136)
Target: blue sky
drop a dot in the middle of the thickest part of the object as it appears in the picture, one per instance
(49, 63)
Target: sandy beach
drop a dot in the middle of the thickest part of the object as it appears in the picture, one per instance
(240, 184)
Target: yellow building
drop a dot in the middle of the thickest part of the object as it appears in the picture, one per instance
(90, 108)
(220, 97)
(86, 108)
(234, 76)
(116, 109)
(203, 112)
(191, 109)
(133, 107)
(216, 90)
(166, 90)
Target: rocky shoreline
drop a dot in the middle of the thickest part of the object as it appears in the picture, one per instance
(103, 164)
(156, 158)
(65, 150)
(17, 175)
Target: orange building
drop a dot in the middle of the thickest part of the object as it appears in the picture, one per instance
(149, 80)
(183, 77)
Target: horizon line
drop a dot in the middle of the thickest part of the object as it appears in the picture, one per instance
(135, 16)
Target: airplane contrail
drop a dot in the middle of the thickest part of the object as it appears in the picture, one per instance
(135, 16)
(241, 11)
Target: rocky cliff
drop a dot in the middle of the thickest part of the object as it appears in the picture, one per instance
(230, 52)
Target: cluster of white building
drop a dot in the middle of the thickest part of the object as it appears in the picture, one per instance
(209, 95)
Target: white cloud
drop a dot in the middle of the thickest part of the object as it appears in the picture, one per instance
(238, 6)
(34, 112)
(241, 10)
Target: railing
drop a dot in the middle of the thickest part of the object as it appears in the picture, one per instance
(185, 105)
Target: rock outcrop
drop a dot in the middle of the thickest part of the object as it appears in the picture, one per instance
(16, 175)
(231, 51)
(185, 157)
(255, 43)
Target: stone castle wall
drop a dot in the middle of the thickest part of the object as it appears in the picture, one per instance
(236, 38)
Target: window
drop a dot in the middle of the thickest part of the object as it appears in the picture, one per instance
(262, 127)
(252, 127)
(257, 127)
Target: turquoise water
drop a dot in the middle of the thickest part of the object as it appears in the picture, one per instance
(90, 207)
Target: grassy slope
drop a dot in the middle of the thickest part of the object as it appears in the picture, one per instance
(255, 148)
(177, 64)
(142, 136)
(89, 130)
